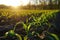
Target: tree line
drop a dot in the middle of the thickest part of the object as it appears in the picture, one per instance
(45, 4)
(39, 4)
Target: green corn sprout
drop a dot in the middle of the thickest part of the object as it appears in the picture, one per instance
(53, 36)
(26, 27)
(12, 33)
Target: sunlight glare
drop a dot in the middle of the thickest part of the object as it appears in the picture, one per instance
(14, 2)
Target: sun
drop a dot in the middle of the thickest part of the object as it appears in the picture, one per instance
(14, 2)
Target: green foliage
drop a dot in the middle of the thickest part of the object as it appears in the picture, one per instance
(26, 27)
(54, 36)
(25, 38)
(19, 36)
(11, 33)
(34, 21)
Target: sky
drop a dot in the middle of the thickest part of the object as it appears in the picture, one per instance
(14, 2)
(18, 2)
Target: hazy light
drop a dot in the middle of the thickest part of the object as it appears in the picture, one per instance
(14, 2)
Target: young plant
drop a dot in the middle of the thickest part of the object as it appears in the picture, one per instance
(12, 33)
(27, 29)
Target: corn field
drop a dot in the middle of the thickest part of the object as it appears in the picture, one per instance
(30, 24)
